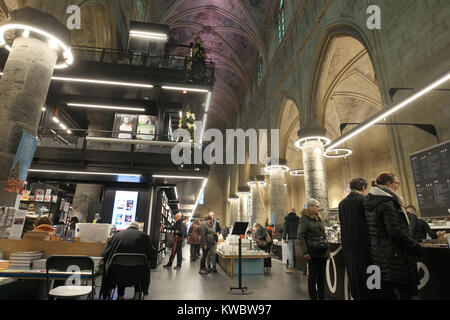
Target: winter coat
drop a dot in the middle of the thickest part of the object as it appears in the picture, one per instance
(391, 247)
(179, 229)
(311, 227)
(217, 229)
(355, 243)
(290, 227)
(206, 235)
(194, 234)
(130, 240)
(419, 228)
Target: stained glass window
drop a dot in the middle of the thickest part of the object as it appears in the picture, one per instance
(280, 21)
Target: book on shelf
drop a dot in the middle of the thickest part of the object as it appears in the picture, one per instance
(24, 255)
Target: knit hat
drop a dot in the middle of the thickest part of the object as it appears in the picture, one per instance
(134, 225)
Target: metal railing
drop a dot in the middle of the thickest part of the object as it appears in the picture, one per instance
(106, 140)
(194, 72)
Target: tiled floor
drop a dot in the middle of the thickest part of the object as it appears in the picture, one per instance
(187, 284)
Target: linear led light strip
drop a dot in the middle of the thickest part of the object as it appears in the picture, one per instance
(202, 189)
(150, 35)
(184, 89)
(53, 41)
(86, 172)
(387, 113)
(95, 106)
(115, 83)
(176, 177)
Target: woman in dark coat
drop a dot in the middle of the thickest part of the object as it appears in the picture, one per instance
(311, 232)
(391, 247)
(194, 238)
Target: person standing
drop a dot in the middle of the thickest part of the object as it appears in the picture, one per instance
(206, 242)
(391, 247)
(289, 236)
(194, 238)
(355, 238)
(179, 229)
(211, 260)
(420, 229)
(261, 236)
(314, 247)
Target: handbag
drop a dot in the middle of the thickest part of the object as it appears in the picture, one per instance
(268, 238)
(318, 244)
(262, 243)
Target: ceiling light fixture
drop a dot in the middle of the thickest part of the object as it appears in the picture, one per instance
(86, 172)
(184, 89)
(271, 167)
(68, 131)
(260, 183)
(114, 83)
(384, 114)
(43, 109)
(55, 119)
(63, 126)
(326, 141)
(67, 53)
(96, 106)
(337, 153)
(297, 172)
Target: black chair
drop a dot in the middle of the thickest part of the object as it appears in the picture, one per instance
(63, 264)
(128, 269)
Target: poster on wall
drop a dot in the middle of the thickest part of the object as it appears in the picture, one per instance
(124, 210)
(431, 174)
(124, 125)
(39, 195)
(48, 195)
(146, 129)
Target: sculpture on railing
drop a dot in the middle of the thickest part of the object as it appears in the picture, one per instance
(196, 66)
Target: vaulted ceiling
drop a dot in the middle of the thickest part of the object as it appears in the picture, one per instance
(233, 34)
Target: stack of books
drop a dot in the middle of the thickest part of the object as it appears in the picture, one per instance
(39, 264)
(24, 260)
(37, 235)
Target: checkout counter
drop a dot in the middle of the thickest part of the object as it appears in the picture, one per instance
(433, 267)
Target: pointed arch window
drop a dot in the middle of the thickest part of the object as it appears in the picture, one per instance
(260, 69)
(281, 21)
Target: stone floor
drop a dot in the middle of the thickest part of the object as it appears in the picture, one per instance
(187, 284)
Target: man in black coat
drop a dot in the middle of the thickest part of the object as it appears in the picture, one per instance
(290, 235)
(128, 241)
(179, 229)
(355, 238)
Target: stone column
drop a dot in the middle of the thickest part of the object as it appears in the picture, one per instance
(84, 195)
(24, 86)
(234, 210)
(315, 172)
(257, 207)
(277, 196)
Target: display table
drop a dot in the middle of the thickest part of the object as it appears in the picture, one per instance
(251, 264)
(52, 247)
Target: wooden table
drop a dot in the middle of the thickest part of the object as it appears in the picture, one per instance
(251, 264)
(51, 247)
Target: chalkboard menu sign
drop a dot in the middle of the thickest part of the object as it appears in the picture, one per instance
(431, 173)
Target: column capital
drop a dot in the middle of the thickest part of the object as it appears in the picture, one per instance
(31, 23)
(311, 132)
(243, 190)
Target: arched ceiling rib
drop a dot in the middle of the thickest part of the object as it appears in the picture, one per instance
(232, 34)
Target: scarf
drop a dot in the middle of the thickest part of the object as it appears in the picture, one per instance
(399, 199)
